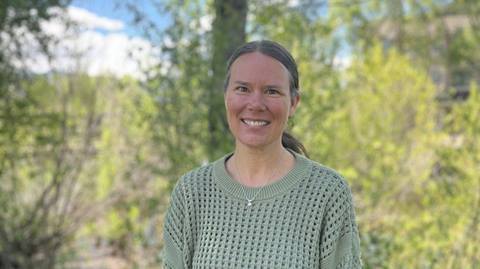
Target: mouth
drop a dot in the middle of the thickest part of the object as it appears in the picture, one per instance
(255, 123)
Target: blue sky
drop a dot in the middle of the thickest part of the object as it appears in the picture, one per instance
(115, 9)
(107, 41)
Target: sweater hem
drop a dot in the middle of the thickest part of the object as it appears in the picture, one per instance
(343, 250)
(173, 255)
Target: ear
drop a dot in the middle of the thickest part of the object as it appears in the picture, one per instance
(294, 104)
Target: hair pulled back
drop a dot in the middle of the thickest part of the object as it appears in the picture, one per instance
(279, 53)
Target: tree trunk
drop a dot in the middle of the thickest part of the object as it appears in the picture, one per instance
(228, 34)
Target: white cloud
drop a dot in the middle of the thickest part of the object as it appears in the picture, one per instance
(92, 21)
(86, 50)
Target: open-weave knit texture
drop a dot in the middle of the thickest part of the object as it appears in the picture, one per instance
(304, 220)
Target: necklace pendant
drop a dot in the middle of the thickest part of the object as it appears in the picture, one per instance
(249, 202)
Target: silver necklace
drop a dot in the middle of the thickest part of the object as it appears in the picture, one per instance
(251, 200)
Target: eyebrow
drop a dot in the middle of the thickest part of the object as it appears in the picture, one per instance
(266, 86)
(242, 82)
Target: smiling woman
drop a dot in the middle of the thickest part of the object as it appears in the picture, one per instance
(265, 205)
(258, 101)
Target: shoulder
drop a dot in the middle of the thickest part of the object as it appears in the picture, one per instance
(326, 176)
(189, 184)
(201, 175)
(197, 173)
(196, 176)
(329, 182)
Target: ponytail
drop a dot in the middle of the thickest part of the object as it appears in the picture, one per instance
(290, 142)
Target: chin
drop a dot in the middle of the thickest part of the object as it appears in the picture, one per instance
(255, 143)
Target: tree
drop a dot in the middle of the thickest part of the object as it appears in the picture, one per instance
(43, 158)
(442, 36)
(228, 31)
(457, 183)
(376, 128)
(19, 19)
(22, 243)
(82, 172)
(188, 82)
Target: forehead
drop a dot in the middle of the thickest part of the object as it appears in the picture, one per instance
(256, 67)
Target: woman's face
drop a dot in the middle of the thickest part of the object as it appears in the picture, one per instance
(258, 100)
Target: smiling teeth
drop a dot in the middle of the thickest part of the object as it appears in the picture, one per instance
(255, 123)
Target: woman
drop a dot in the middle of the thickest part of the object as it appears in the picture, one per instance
(265, 205)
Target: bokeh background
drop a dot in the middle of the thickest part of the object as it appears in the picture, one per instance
(104, 104)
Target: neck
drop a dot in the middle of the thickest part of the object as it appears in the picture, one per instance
(259, 167)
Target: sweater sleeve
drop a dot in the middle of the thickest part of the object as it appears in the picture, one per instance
(173, 230)
(339, 241)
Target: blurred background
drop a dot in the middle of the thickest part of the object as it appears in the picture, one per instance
(104, 104)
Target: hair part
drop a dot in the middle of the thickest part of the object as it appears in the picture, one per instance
(279, 53)
(274, 50)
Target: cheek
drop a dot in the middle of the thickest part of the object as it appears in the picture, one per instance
(230, 110)
(232, 105)
(282, 109)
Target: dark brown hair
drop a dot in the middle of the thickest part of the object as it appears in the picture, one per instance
(279, 53)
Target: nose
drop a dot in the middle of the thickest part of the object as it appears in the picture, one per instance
(256, 101)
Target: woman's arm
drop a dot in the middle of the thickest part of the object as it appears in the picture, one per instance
(173, 230)
(339, 241)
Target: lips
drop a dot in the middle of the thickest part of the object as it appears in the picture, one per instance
(255, 123)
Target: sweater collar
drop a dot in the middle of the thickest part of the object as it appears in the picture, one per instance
(234, 188)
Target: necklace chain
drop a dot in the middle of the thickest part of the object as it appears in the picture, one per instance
(251, 200)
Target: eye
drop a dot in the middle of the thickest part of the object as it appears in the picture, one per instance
(241, 89)
(272, 91)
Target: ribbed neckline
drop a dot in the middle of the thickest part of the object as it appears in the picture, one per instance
(234, 188)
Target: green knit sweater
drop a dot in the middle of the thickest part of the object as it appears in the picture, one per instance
(304, 220)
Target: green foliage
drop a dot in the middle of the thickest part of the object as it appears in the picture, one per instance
(377, 129)
(126, 177)
(458, 173)
(42, 159)
(187, 87)
(78, 152)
